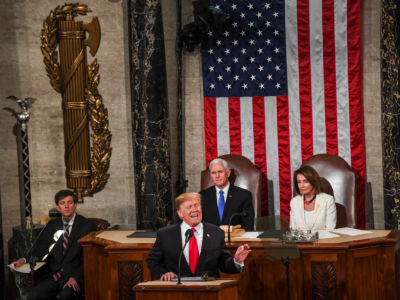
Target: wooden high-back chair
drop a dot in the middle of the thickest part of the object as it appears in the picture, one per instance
(339, 180)
(244, 174)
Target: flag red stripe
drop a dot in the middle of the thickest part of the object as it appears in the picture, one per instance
(355, 103)
(210, 129)
(260, 150)
(306, 122)
(282, 108)
(235, 135)
(328, 28)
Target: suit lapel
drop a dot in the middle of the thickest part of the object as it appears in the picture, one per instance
(204, 245)
(177, 240)
(57, 250)
(317, 209)
(300, 209)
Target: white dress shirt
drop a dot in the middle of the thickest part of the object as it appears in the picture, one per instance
(70, 223)
(309, 217)
(225, 189)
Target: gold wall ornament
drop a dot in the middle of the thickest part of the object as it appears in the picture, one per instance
(86, 159)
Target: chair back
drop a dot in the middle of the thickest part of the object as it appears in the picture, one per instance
(244, 174)
(101, 224)
(340, 181)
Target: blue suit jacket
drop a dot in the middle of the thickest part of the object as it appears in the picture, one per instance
(238, 200)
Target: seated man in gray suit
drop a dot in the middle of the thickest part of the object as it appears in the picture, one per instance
(205, 252)
(222, 200)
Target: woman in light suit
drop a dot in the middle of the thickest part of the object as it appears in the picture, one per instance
(311, 209)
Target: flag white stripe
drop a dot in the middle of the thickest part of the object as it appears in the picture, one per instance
(293, 84)
(271, 140)
(317, 77)
(342, 84)
(223, 126)
(247, 133)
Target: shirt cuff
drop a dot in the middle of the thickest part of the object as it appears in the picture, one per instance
(239, 266)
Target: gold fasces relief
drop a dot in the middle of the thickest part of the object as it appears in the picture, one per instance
(86, 133)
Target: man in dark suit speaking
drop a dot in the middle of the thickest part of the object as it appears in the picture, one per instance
(222, 200)
(64, 262)
(205, 252)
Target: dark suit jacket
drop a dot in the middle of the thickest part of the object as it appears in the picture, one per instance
(72, 261)
(214, 255)
(238, 200)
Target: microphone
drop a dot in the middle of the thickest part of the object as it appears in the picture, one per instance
(35, 241)
(243, 214)
(188, 236)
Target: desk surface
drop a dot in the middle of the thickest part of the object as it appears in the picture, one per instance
(120, 236)
(347, 267)
(193, 285)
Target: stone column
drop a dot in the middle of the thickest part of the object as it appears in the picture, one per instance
(2, 278)
(150, 114)
(390, 62)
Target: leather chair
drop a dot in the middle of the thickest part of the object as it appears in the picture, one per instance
(340, 181)
(101, 224)
(244, 174)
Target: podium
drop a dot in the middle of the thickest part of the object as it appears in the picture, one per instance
(205, 290)
(347, 267)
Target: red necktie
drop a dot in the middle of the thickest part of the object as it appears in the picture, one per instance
(65, 238)
(193, 252)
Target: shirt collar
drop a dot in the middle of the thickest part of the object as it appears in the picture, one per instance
(185, 226)
(71, 222)
(225, 189)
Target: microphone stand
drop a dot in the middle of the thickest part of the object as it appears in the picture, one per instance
(188, 234)
(286, 262)
(33, 260)
(35, 241)
(32, 263)
(243, 214)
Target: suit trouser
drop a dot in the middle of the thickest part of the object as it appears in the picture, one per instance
(49, 289)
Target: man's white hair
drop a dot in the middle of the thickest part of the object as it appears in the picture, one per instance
(219, 160)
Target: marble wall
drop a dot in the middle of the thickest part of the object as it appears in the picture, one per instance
(22, 74)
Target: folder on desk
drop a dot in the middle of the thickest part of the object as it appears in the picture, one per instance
(272, 233)
(143, 234)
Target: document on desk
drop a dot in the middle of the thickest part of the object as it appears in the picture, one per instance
(350, 231)
(325, 234)
(251, 234)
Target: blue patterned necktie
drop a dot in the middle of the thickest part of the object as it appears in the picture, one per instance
(221, 204)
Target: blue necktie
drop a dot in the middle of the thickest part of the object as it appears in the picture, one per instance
(221, 204)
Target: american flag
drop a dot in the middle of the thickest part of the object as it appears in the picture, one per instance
(282, 83)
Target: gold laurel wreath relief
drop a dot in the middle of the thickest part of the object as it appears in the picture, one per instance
(101, 136)
(95, 112)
